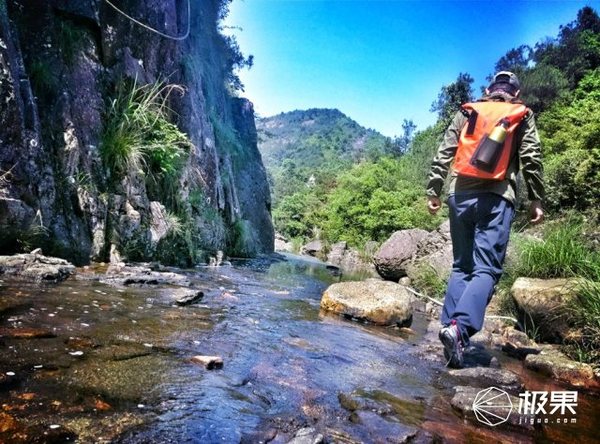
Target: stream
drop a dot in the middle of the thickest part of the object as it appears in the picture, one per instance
(99, 363)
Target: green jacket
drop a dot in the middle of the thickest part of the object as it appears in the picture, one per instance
(528, 157)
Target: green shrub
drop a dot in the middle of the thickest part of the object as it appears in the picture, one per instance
(570, 134)
(373, 200)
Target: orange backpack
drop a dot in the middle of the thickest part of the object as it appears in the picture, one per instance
(481, 151)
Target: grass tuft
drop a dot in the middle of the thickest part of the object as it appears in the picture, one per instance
(139, 137)
(428, 281)
(584, 314)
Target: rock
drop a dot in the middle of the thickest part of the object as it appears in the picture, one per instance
(395, 253)
(123, 351)
(307, 435)
(185, 296)
(487, 377)
(159, 225)
(375, 424)
(380, 302)
(37, 267)
(209, 362)
(140, 276)
(434, 252)
(472, 402)
(543, 301)
(552, 362)
(114, 255)
(25, 333)
(8, 423)
(260, 436)
(406, 281)
(313, 248)
(282, 244)
(81, 342)
(337, 252)
(350, 260)
(517, 344)
(435, 240)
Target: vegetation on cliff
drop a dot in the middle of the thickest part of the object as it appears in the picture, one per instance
(119, 139)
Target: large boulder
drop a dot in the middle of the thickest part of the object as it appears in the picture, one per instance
(543, 302)
(282, 244)
(379, 302)
(396, 253)
(351, 260)
(314, 248)
(434, 253)
(36, 267)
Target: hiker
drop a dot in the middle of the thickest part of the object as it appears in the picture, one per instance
(485, 145)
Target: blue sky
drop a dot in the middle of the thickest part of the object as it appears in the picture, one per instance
(380, 61)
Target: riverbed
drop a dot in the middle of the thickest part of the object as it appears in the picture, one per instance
(101, 363)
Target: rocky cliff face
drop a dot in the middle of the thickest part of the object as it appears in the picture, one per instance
(62, 64)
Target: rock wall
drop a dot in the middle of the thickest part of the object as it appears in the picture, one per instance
(61, 63)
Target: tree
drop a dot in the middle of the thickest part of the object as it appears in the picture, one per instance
(542, 85)
(400, 145)
(452, 96)
(576, 51)
(515, 59)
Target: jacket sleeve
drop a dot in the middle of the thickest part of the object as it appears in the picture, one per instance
(530, 159)
(444, 157)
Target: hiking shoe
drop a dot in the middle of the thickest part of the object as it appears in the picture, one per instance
(453, 346)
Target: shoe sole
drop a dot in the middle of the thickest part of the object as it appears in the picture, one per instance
(451, 357)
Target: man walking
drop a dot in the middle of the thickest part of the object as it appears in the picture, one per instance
(486, 144)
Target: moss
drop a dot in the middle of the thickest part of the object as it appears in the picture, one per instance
(241, 239)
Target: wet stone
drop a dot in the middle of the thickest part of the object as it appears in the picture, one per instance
(184, 296)
(380, 427)
(473, 404)
(379, 302)
(261, 436)
(307, 435)
(25, 333)
(486, 377)
(552, 362)
(8, 424)
(81, 342)
(138, 276)
(122, 352)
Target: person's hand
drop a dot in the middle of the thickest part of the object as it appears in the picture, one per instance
(536, 212)
(433, 204)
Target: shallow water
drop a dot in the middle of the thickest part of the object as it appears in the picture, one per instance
(119, 369)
